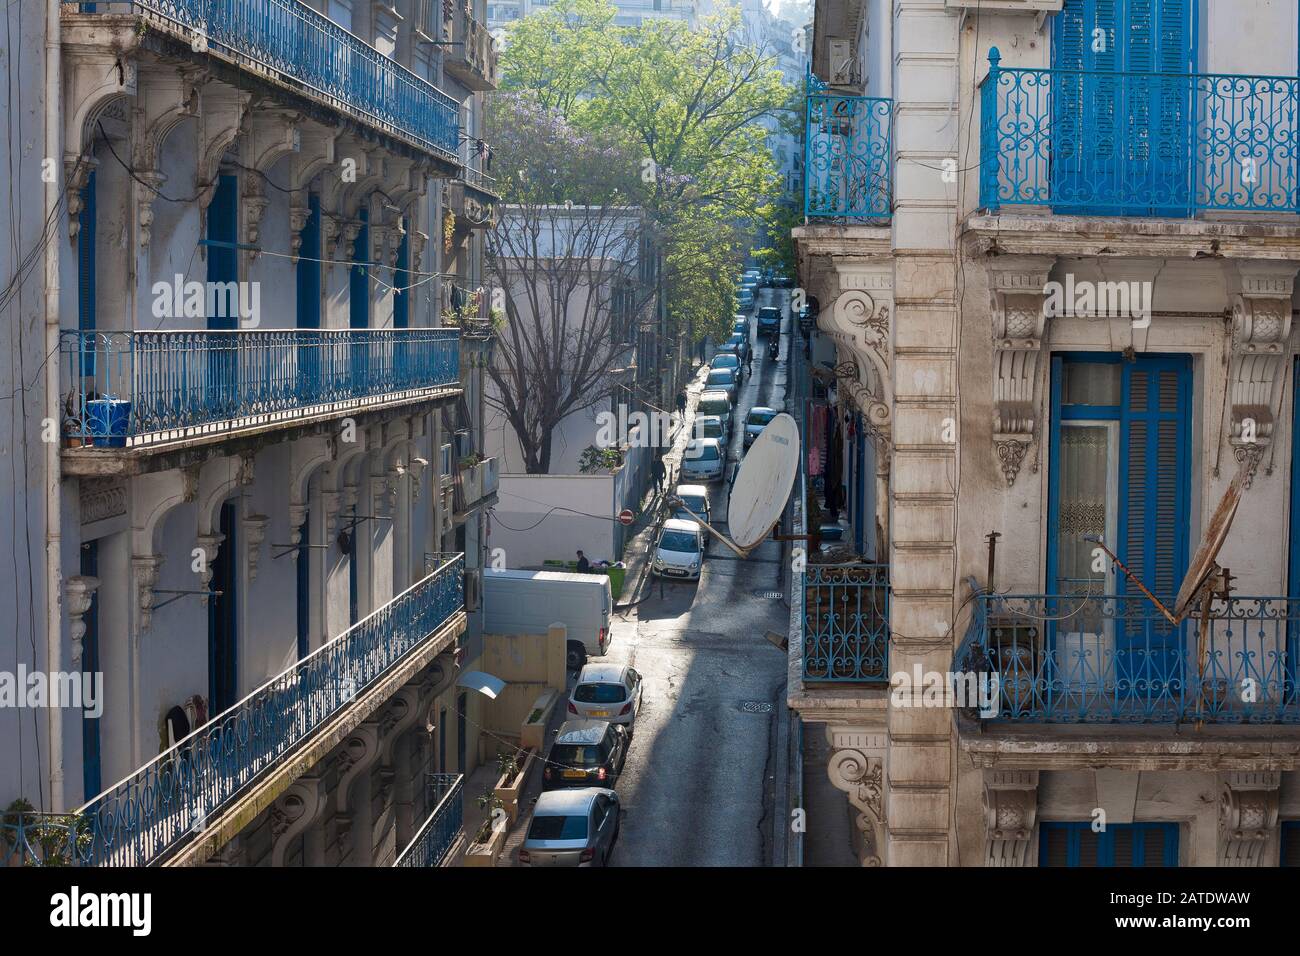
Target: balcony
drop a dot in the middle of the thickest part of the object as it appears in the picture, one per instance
(443, 828)
(472, 54)
(1139, 144)
(290, 44)
(1079, 659)
(845, 614)
(848, 159)
(207, 782)
(142, 390)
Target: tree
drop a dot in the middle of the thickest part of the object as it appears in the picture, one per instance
(686, 105)
(566, 253)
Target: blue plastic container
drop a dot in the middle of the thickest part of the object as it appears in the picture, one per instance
(107, 420)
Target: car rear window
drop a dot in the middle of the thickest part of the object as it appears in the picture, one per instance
(599, 693)
(575, 755)
(703, 453)
(712, 430)
(726, 360)
(558, 828)
(695, 502)
(714, 406)
(721, 376)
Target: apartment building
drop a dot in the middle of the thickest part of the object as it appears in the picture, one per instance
(1050, 256)
(254, 219)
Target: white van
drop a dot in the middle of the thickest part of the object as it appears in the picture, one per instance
(529, 602)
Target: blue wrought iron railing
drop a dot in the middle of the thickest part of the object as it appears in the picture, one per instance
(438, 834)
(289, 42)
(1104, 658)
(846, 623)
(30, 838)
(139, 388)
(1138, 144)
(848, 158)
(140, 820)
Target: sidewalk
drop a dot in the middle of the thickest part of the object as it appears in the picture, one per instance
(636, 557)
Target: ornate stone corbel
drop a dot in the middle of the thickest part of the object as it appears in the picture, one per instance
(415, 468)
(211, 544)
(220, 119)
(1248, 813)
(1261, 327)
(1010, 814)
(293, 812)
(147, 569)
(77, 176)
(254, 534)
(254, 202)
(418, 240)
(331, 501)
(1016, 290)
(857, 766)
(349, 230)
(78, 592)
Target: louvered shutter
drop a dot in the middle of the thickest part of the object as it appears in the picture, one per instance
(223, 232)
(1154, 476)
(359, 285)
(1054, 845)
(86, 272)
(309, 267)
(1291, 843)
(1067, 103)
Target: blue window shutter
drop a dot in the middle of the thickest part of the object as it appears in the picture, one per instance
(402, 296)
(223, 234)
(1075, 844)
(359, 278)
(304, 586)
(309, 267)
(1154, 438)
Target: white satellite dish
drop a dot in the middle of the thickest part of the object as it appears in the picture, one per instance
(763, 486)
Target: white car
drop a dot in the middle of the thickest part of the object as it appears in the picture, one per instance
(713, 426)
(679, 552)
(610, 692)
(695, 497)
(703, 460)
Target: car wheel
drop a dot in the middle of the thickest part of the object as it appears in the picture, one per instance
(575, 658)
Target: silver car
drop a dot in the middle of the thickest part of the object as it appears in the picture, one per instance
(572, 828)
(609, 692)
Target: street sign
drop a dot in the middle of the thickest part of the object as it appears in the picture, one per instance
(625, 517)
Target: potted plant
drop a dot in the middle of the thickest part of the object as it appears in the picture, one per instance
(490, 838)
(512, 767)
(39, 839)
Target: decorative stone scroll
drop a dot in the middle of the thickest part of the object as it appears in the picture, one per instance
(1248, 813)
(1010, 813)
(1261, 327)
(1016, 292)
(857, 766)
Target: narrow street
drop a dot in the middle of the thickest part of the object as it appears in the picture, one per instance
(699, 781)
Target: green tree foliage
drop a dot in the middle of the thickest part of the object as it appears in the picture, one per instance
(685, 105)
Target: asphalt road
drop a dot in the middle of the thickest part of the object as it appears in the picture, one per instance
(698, 785)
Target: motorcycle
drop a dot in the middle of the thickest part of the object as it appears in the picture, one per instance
(773, 349)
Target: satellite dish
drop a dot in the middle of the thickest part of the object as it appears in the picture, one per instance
(1203, 561)
(764, 482)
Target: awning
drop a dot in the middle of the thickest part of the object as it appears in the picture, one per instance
(485, 684)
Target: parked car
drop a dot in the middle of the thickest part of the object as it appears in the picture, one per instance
(715, 403)
(769, 321)
(679, 552)
(724, 380)
(695, 497)
(585, 753)
(576, 827)
(750, 275)
(756, 421)
(728, 360)
(607, 692)
(742, 324)
(745, 298)
(739, 343)
(703, 459)
(714, 426)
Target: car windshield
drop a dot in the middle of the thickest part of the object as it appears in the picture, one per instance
(558, 828)
(720, 376)
(695, 502)
(703, 452)
(575, 755)
(598, 693)
(681, 541)
(726, 360)
(760, 418)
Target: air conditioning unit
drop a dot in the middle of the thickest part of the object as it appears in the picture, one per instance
(843, 65)
(473, 589)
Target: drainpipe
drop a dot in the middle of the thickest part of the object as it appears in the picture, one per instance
(53, 548)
